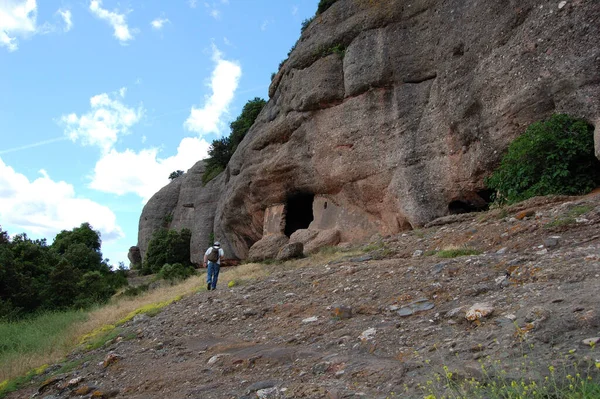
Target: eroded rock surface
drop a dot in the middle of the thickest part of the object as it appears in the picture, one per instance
(403, 125)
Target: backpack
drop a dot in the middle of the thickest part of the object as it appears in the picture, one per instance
(213, 256)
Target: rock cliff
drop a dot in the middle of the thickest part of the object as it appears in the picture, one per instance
(389, 114)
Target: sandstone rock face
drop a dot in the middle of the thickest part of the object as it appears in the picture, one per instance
(403, 126)
(432, 96)
(267, 248)
(185, 203)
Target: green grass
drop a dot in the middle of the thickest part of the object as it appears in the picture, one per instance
(572, 382)
(36, 334)
(571, 216)
(42, 334)
(456, 252)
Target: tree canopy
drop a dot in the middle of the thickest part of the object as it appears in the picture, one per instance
(70, 273)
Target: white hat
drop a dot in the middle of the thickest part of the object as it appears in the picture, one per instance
(217, 244)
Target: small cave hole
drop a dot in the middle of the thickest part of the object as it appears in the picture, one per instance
(325, 205)
(458, 207)
(486, 195)
(299, 212)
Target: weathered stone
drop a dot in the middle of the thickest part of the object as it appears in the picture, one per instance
(111, 358)
(267, 248)
(134, 255)
(479, 311)
(303, 235)
(341, 312)
(324, 238)
(291, 251)
(551, 242)
(591, 341)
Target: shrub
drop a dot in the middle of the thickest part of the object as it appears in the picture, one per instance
(324, 5)
(306, 23)
(552, 157)
(167, 246)
(176, 271)
(176, 174)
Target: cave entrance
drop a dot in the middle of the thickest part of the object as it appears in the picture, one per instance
(299, 212)
(471, 202)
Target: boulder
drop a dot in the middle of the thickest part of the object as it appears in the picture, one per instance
(290, 251)
(267, 248)
(303, 235)
(325, 238)
(134, 255)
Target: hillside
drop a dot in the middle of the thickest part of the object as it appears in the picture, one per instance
(372, 325)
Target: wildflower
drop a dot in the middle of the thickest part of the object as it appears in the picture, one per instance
(551, 368)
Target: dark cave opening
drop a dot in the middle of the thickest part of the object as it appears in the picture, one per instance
(299, 212)
(474, 202)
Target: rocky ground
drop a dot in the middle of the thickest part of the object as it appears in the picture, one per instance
(375, 325)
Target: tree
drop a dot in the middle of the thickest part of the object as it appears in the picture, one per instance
(176, 174)
(167, 247)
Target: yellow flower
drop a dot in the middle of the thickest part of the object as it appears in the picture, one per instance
(551, 368)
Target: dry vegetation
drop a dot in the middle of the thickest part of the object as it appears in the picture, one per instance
(103, 319)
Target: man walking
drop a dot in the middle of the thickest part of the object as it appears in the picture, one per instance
(213, 256)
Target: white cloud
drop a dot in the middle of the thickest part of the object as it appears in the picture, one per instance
(224, 82)
(294, 10)
(102, 125)
(44, 207)
(158, 23)
(17, 19)
(193, 3)
(66, 16)
(144, 173)
(116, 20)
(264, 25)
(213, 8)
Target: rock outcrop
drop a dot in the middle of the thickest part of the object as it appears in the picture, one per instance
(402, 126)
(184, 203)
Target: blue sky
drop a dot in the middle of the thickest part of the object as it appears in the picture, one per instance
(101, 99)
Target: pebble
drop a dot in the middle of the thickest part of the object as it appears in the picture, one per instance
(562, 4)
(341, 312)
(417, 253)
(591, 341)
(502, 251)
(479, 311)
(368, 334)
(551, 242)
(267, 393)
(311, 319)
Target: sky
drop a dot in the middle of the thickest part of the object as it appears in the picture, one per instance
(100, 100)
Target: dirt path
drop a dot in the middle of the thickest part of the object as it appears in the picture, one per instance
(372, 326)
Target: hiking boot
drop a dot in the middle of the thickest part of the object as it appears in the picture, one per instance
(208, 287)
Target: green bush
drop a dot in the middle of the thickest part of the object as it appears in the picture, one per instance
(176, 271)
(552, 157)
(306, 23)
(324, 5)
(176, 174)
(167, 246)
